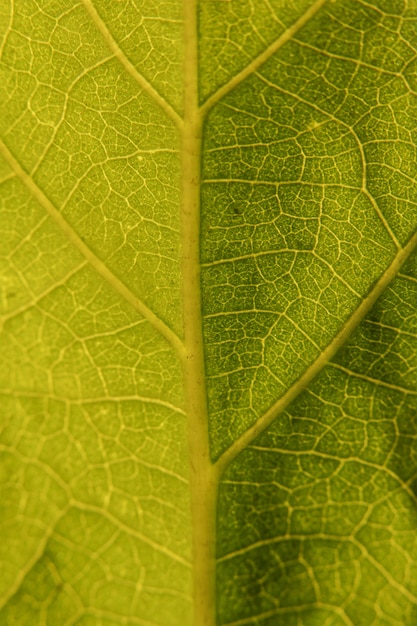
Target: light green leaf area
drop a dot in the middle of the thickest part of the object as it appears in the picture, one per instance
(208, 296)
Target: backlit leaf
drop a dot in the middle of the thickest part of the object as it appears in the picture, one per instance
(208, 299)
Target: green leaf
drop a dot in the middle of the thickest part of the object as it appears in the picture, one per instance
(209, 324)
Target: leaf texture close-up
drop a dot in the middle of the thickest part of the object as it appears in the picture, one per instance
(208, 299)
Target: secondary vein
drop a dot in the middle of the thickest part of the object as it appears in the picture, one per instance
(263, 57)
(93, 260)
(128, 66)
(328, 353)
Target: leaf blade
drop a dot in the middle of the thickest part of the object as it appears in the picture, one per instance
(307, 197)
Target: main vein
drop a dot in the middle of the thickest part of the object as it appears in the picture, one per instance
(203, 479)
(89, 255)
(328, 353)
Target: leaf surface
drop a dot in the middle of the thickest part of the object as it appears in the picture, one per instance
(209, 353)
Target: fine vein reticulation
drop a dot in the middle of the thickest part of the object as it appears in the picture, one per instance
(207, 475)
(211, 277)
(95, 262)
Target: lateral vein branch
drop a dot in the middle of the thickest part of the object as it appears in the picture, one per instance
(263, 57)
(315, 368)
(89, 255)
(128, 66)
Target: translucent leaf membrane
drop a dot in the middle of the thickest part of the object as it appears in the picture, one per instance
(234, 33)
(308, 195)
(97, 144)
(318, 516)
(95, 520)
(93, 443)
(149, 34)
(308, 187)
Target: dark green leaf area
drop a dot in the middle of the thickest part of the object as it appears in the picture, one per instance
(325, 499)
(365, 89)
(384, 354)
(301, 210)
(233, 35)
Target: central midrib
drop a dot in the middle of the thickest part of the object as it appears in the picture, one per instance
(203, 480)
(205, 475)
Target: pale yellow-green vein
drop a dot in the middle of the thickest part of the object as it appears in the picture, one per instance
(313, 370)
(92, 258)
(128, 66)
(263, 57)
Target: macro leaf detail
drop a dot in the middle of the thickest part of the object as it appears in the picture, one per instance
(208, 302)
